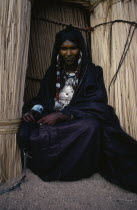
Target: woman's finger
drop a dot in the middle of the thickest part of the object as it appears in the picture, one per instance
(24, 118)
(27, 117)
(52, 122)
(31, 117)
(41, 121)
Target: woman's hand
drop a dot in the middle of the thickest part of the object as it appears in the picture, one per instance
(31, 116)
(53, 118)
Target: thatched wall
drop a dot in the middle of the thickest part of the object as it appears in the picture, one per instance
(14, 38)
(84, 3)
(108, 45)
(43, 35)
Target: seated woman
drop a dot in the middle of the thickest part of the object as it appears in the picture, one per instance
(69, 128)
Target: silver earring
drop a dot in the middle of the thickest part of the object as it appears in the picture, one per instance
(58, 60)
(80, 58)
(57, 57)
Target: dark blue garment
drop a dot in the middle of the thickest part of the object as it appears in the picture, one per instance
(68, 150)
(93, 141)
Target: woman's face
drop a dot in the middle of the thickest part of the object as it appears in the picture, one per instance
(69, 52)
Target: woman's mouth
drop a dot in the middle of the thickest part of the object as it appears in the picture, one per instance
(69, 59)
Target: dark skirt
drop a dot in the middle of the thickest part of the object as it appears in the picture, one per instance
(78, 148)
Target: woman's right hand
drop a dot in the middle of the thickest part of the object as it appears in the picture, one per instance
(31, 116)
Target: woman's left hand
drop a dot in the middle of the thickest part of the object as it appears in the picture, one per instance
(53, 118)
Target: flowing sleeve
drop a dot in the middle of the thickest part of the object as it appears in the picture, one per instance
(44, 96)
(92, 99)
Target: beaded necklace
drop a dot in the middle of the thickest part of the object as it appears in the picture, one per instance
(64, 95)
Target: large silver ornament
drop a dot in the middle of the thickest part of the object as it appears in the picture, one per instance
(66, 93)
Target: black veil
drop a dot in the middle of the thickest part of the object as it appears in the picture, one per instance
(74, 35)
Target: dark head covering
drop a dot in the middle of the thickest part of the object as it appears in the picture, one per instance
(87, 77)
(74, 35)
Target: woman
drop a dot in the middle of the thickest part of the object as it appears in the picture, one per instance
(69, 128)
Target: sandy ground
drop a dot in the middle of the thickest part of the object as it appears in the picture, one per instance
(94, 194)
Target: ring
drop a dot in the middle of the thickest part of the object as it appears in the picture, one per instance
(26, 114)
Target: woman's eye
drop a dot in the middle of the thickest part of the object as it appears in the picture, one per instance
(74, 48)
(63, 48)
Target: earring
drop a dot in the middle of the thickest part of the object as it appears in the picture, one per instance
(80, 58)
(58, 60)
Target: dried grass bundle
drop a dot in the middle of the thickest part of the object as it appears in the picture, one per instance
(108, 43)
(14, 41)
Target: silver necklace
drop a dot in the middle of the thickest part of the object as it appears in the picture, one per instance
(66, 93)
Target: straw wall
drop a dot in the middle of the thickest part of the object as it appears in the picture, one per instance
(14, 38)
(108, 42)
(42, 38)
(85, 3)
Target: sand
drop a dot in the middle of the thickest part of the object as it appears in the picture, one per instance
(93, 193)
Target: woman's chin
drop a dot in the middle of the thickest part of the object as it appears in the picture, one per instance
(69, 63)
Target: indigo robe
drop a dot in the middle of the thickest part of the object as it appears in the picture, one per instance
(92, 142)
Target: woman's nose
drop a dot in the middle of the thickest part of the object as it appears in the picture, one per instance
(68, 52)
